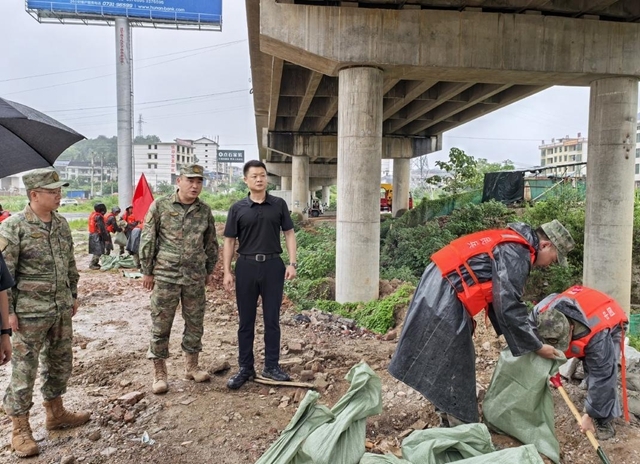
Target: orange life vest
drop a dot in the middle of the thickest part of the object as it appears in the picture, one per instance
(92, 222)
(129, 218)
(602, 312)
(110, 227)
(4, 215)
(455, 258)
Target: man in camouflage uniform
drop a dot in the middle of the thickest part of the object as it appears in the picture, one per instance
(178, 251)
(38, 250)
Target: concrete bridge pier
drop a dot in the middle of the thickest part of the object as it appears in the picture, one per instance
(610, 190)
(326, 194)
(401, 179)
(299, 183)
(285, 183)
(359, 153)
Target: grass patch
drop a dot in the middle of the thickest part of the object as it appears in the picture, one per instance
(378, 315)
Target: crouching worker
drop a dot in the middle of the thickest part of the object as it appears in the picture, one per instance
(485, 270)
(588, 324)
(99, 238)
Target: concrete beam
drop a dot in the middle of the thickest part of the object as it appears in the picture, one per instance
(477, 94)
(284, 170)
(505, 98)
(413, 90)
(276, 78)
(445, 91)
(310, 91)
(326, 146)
(451, 45)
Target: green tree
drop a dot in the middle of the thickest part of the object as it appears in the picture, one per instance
(462, 172)
(147, 139)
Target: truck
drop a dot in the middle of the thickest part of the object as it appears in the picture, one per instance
(386, 198)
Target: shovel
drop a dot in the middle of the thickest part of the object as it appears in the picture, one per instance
(557, 383)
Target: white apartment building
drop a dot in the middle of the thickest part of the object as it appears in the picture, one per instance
(560, 154)
(161, 162)
(206, 151)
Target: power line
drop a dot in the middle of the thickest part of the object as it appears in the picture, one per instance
(107, 65)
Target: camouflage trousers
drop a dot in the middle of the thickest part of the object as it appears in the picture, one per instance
(164, 302)
(50, 338)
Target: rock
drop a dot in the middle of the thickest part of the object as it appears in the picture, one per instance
(486, 346)
(401, 394)
(219, 366)
(116, 414)
(306, 376)
(69, 459)
(291, 361)
(96, 345)
(125, 383)
(95, 435)
(569, 368)
(129, 416)
(391, 335)
(419, 425)
(634, 403)
(108, 451)
(226, 418)
(131, 397)
(295, 347)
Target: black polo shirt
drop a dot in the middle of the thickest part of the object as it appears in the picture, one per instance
(257, 226)
(6, 281)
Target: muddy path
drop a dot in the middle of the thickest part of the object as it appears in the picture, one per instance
(196, 423)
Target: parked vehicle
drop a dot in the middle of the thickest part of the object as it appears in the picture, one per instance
(68, 201)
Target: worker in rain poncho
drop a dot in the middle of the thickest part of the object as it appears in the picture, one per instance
(587, 324)
(486, 270)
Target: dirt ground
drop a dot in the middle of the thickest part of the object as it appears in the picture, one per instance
(196, 423)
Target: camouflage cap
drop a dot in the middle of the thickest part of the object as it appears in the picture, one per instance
(192, 170)
(553, 327)
(46, 178)
(561, 239)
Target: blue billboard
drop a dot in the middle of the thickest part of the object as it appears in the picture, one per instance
(180, 11)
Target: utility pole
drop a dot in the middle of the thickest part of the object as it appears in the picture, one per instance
(101, 173)
(92, 153)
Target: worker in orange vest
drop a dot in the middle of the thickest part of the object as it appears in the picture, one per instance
(111, 222)
(4, 214)
(587, 324)
(482, 271)
(99, 238)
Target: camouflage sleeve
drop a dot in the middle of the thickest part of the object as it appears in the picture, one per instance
(74, 276)
(148, 240)
(10, 248)
(211, 244)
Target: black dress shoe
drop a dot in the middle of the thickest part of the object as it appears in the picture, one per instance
(238, 380)
(275, 373)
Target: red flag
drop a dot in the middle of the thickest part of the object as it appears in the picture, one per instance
(142, 199)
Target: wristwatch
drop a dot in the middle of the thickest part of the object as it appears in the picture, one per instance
(295, 265)
(6, 331)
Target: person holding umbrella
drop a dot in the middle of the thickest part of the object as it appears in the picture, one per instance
(38, 250)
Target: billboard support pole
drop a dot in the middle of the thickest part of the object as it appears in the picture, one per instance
(124, 90)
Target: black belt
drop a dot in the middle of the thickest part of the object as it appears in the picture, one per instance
(260, 257)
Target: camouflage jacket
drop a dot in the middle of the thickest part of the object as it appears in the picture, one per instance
(41, 263)
(178, 246)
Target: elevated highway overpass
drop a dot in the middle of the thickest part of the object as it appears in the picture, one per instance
(338, 85)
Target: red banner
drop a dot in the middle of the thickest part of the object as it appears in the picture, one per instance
(142, 199)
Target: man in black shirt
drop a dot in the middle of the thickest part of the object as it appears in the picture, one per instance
(256, 222)
(6, 282)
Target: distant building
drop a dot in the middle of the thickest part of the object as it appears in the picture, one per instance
(560, 156)
(12, 185)
(206, 151)
(86, 170)
(161, 162)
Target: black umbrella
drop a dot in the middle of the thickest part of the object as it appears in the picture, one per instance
(30, 139)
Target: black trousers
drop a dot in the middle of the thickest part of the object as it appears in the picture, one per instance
(255, 279)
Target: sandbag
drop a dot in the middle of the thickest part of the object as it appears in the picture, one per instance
(108, 262)
(120, 239)
(519, 403)
(465, 444)
(308, 417)
(342, 441)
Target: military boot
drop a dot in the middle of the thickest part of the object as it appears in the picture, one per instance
(160, 377)
(192, 372)
(95, 263)
(22, 442)
(58, 417)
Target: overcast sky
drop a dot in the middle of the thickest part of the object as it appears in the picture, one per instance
(189, 84)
